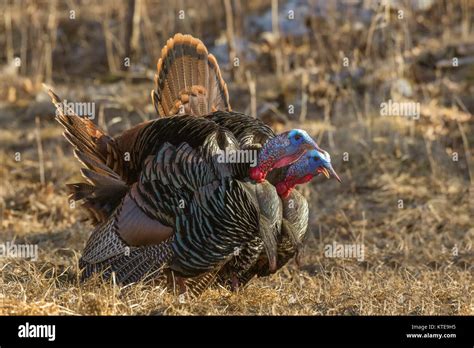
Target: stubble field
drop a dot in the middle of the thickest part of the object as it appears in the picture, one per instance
(407, 196)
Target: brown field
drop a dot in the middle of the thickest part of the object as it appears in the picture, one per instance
(407, 194)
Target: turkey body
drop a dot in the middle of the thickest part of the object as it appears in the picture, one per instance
(251, 260)
(172, 205)
(160, 200)
(295, 211)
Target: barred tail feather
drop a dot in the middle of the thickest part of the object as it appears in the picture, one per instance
(188, 79)
(98, 152)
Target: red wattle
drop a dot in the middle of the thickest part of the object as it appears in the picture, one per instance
(256, 174)
(305, 179)
(282, 189)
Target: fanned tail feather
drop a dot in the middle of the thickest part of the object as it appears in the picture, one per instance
(99, 154)
(188, 79)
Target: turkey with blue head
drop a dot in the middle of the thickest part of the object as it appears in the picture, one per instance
(159, 199)
(294, 213)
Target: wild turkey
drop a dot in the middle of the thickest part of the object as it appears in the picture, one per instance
(251, 133)
(295, 215)
(181, 200)
(136, 204)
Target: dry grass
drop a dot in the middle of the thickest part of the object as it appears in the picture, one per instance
(418, 257)
(344, 290)
(408, 268)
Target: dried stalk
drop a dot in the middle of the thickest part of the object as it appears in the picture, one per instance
(304, 95)
(108, 42)
(128, 33)
(9, 36)
(40, 150)
(137, 18)
(465, 141)
(253, 93)
(276, 33)
(230, 36)
(50, 45)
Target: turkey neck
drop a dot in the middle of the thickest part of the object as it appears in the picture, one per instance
(277, 175)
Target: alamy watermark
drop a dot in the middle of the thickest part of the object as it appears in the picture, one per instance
(85, 109)
(404, 109)
(237, 156)
(37, 331)
(337, 250)
(21, 251)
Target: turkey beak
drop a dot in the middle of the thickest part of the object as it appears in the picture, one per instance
(328, 170)
(333, 173)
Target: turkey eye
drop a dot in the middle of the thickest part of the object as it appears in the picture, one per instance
(297, 137)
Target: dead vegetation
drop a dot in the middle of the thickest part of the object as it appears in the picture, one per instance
(407, 192)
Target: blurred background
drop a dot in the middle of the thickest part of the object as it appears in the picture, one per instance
(324, 66)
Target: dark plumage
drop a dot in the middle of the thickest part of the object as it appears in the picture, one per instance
(293, 232)
(161, 202)
(251, 260)
(289, 243)
(178, 207)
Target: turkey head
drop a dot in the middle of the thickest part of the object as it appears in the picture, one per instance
(311, 164)
(280, 151)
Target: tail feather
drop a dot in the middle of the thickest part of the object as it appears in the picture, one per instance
(100, 155)
(105, 253)
(220, 93)
(188, 79)
(93, 164)
(81, 132)
(197, 285)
